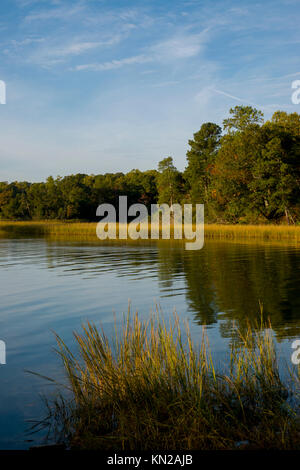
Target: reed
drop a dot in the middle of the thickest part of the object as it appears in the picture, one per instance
(150, 388)
(87, 230)
(254, 232)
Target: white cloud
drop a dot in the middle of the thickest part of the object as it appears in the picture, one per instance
(51, 54)
(204, 96)
(61, 13)
(73, 49)
(114, 64)
(57, 48)
(175, 48)
(26, 41)
(180, 47)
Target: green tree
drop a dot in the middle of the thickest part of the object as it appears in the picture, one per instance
(242, 117)
(233, 170)
(276, 174)
(169, 182)
(201, 159)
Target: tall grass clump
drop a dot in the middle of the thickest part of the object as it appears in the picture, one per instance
(150, 388)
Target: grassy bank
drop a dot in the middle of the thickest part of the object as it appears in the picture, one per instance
(254, 232)
(150, 388)
(87, 230)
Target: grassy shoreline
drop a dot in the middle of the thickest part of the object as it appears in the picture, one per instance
(148, 387)
(212, 231)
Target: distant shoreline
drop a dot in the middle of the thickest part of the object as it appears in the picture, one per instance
(72, 229)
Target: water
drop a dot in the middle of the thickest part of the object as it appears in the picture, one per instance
(56, 285)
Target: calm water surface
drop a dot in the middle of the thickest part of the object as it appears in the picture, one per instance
(57, 285)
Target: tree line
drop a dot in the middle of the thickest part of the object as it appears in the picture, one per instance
(248, 171)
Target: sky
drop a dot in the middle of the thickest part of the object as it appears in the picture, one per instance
(96, 86)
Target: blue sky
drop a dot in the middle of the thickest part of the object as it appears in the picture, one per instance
(98, 86)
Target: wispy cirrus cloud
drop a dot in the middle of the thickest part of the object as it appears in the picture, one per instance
(62, 51)
(58, 13)
(181, 46)
(47, 52)
(95, 31)
(171, 49)
(114, 64)
(73, 48)
(28, 41)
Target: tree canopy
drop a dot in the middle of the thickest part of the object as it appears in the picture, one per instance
(247, 172)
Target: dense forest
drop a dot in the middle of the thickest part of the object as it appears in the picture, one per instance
(246, 172)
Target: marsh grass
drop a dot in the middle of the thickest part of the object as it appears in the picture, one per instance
(254, 232)
(150, 388)
(87, 230)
